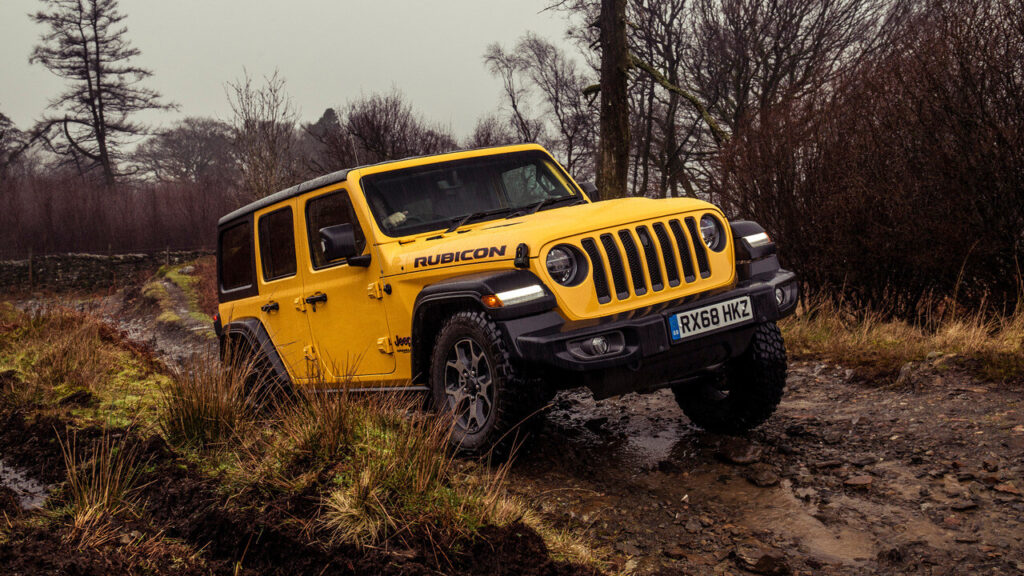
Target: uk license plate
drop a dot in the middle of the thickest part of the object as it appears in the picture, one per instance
(691, 323)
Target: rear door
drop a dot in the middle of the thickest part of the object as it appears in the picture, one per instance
(282, 309)
(346, 315)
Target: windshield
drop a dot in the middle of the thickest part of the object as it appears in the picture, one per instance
(441, 196)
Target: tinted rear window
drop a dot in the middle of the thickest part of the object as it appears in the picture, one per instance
(277, 244)
(236, 261)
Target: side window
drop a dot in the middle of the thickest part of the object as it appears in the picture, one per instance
(277, 244)
(236, 258)
(329, 210)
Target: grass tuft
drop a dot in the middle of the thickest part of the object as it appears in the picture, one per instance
(98, 486)
(204, 403)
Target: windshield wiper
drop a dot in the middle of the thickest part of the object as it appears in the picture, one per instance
(459, 221)
(549, 201)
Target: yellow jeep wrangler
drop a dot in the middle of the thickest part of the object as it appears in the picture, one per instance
(489, 279)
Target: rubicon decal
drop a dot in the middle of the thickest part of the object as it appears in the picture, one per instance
(452, 257)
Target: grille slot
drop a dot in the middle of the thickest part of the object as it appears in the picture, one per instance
(597, 263)
(699, 248)
(684, 250)
(668, 254)
(636, 269)
(615, 263)
(651, 254)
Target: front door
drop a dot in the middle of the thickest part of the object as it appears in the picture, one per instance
(347, 323)
(282, 310)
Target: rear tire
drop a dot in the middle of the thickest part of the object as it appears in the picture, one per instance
(746, 393)
(473, 382)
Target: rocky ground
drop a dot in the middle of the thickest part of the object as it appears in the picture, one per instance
(848, 478)
(923, 476)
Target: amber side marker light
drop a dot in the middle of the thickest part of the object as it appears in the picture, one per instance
(513, 297)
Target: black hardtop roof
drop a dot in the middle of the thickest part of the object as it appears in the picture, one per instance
(320, 182)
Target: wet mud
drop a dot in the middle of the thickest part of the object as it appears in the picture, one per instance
(847, 478)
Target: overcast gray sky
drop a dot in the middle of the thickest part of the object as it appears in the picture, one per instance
(328, 51)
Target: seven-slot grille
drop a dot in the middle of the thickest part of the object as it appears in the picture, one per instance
(646, 258)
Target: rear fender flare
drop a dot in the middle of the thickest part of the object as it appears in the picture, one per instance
(254, 335)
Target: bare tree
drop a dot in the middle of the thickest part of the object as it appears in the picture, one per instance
(490, 130)
(508, 67)
(547, 80)
(264, 124)
(86, 43)
(373, 129)
(194, 151)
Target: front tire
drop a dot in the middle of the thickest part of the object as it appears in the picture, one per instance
(746, 393)
(474, 383)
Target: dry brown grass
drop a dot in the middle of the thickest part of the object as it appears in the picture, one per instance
(205, 403)
(990, 346)
(98, 486)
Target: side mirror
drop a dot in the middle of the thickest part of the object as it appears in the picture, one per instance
(339, 241)
(591, 190)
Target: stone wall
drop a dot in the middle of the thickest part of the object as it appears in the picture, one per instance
(85, 271)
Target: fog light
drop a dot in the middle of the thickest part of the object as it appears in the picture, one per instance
(780, 296)
(599, 344)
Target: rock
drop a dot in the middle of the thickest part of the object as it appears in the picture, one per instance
(187, 270)
(773, 564)
(864, 460)
(693, 526)
(761, 474)
(824, 464)
(989, 464)
(1007, 488)
(797, 430)
(862, 481)
(739, 451)
(962, 504)
(674, 552)
(753, 556)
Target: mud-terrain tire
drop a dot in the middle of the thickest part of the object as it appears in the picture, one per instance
(474, 382)
(747, 391)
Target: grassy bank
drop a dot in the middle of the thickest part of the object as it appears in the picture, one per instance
(195, 471)
(990, 347)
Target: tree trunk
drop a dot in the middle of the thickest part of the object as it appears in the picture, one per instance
(613, 150)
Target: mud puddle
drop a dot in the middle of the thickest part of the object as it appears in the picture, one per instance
(29, 493)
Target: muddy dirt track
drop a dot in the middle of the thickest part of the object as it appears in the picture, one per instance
(849, 476)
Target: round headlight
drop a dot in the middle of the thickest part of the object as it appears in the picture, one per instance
(711, 232)
(562, 265)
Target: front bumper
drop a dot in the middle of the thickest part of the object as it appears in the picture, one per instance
(642, 355)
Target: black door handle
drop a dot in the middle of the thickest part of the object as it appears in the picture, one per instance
(315, 299)
(270, 307)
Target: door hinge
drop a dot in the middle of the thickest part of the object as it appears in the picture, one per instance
(375, 290)
(300, 304)
(384, 345)
(309, 352)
